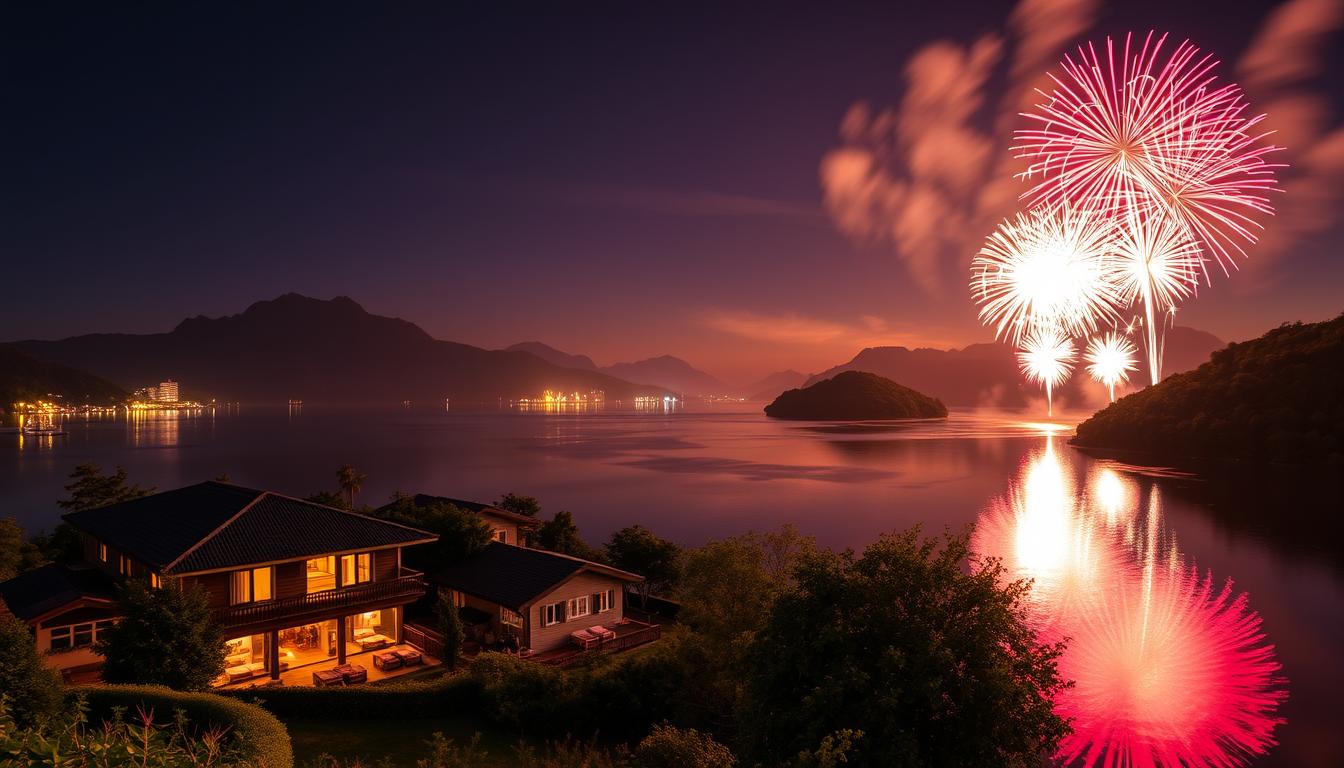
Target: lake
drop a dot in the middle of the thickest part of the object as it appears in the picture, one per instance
(1205, 624)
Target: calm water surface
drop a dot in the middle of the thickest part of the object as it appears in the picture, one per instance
(1194, 639)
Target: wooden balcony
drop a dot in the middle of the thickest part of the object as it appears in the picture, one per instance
(299, 609)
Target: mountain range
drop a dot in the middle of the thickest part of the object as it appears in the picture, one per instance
(987, 374)
(664, 371)
(323, 351)
(24, 377)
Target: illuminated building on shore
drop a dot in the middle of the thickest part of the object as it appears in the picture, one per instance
(167, 392)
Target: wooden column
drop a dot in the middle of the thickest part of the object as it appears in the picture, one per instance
(340, 638)
(273, 653)
(401, 623)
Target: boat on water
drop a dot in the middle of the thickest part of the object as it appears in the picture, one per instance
(296, 402)
(43, 430)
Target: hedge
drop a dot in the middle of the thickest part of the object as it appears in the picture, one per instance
(264, 738)
(455, 694)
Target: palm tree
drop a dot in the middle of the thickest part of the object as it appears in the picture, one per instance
(351, 481)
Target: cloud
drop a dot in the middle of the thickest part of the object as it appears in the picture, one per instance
(1278, 71)
(799, 330)
(921, 177)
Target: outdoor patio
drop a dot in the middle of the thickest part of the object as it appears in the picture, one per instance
(303, 676)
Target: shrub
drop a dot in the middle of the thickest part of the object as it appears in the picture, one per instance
(523, 694)
(672, 747)
(415, 698)
(33, 688)
(168, 637)
(262, 738)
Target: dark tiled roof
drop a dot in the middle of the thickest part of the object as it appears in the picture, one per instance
(425, 499)
(217, 525)
(281, 528)
(157, 529)
(514, 576)
(45, 589)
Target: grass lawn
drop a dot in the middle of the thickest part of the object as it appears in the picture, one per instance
(402, 741)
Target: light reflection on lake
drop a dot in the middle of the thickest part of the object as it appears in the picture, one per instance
(1170, 665)
(1111, 546)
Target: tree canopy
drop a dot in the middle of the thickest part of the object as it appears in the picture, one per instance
(167, 637)
(639, 550)
(89, 488)
(561, 534)
(934, 664)
(523, 505)
(462, 533)
(33, 688)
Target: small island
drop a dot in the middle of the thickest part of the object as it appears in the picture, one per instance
(855, 395)
(1272, 399)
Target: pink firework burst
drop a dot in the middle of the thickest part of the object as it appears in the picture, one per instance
(1141, 130)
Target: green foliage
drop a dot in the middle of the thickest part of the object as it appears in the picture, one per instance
(560, 534)
(62, 545)
(450, 626)
(522, 694)
(835, 750)
(638, 550)
(856, 395)
(33, 687)
(1271, 399)
(728, 586)
(168, 637)
(89, 488)
(933, 663)
(461, 533)
(672, 747)
(143, 742)
(16, 554)
(443, 753)
(523, 505)
(390, 700)
(351, 482)
(253, 733)
(24, 378)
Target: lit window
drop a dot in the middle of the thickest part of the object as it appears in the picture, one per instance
(554, 613)
(250, 586)
(321, 574)
(602, 602)
(154, 580)
(123, 565)
(102, 552)
(261, 584)
(501, 535)
(363, 569)
(578, 606)
(348, 575)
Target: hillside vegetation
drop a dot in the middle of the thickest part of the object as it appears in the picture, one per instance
(855, 395)
(25, 378)
(1278, 398)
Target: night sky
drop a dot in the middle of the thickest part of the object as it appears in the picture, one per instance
(633, 180)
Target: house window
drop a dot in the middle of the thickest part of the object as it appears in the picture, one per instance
(510, 618)
(154, 580)
(123, 565)
(501, 535)
(602, 602)
(78, 635)
(321, 573)
(579, 606)
(102, 552)
(552, 613)
(364, 567)
(251, 586)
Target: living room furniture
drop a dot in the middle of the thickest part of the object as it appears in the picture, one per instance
(353, 673)
(386, 661)
(373, 642)
(583, 638)
(602, 633)
(325, 677)
(410, 657)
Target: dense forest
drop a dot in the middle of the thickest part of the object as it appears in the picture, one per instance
(1278, 398)
(24, 377)
(855, 395)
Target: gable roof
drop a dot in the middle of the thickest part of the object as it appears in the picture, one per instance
(42, 590)
(421, 500)
(514, 576)
(213, 526)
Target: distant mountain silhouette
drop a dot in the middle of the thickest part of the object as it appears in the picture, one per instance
(771, 386)
(554, 356)
(855, 395)
(672, 373)
(1278, 398)
(24, 378)
(322, 351)
(987, 374)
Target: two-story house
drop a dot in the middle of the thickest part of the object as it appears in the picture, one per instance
(505, 527)
(290, 581)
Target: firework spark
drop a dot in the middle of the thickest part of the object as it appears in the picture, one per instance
(1109, 359)
(1158, 133)
(1047, 357)
(1158, 266)
(1046, 267)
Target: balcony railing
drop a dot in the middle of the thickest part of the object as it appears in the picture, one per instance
(410, 585)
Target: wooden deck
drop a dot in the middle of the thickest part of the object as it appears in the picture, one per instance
(303, 676)
(629, 634)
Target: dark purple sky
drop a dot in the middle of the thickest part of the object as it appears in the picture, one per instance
(630, 181)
